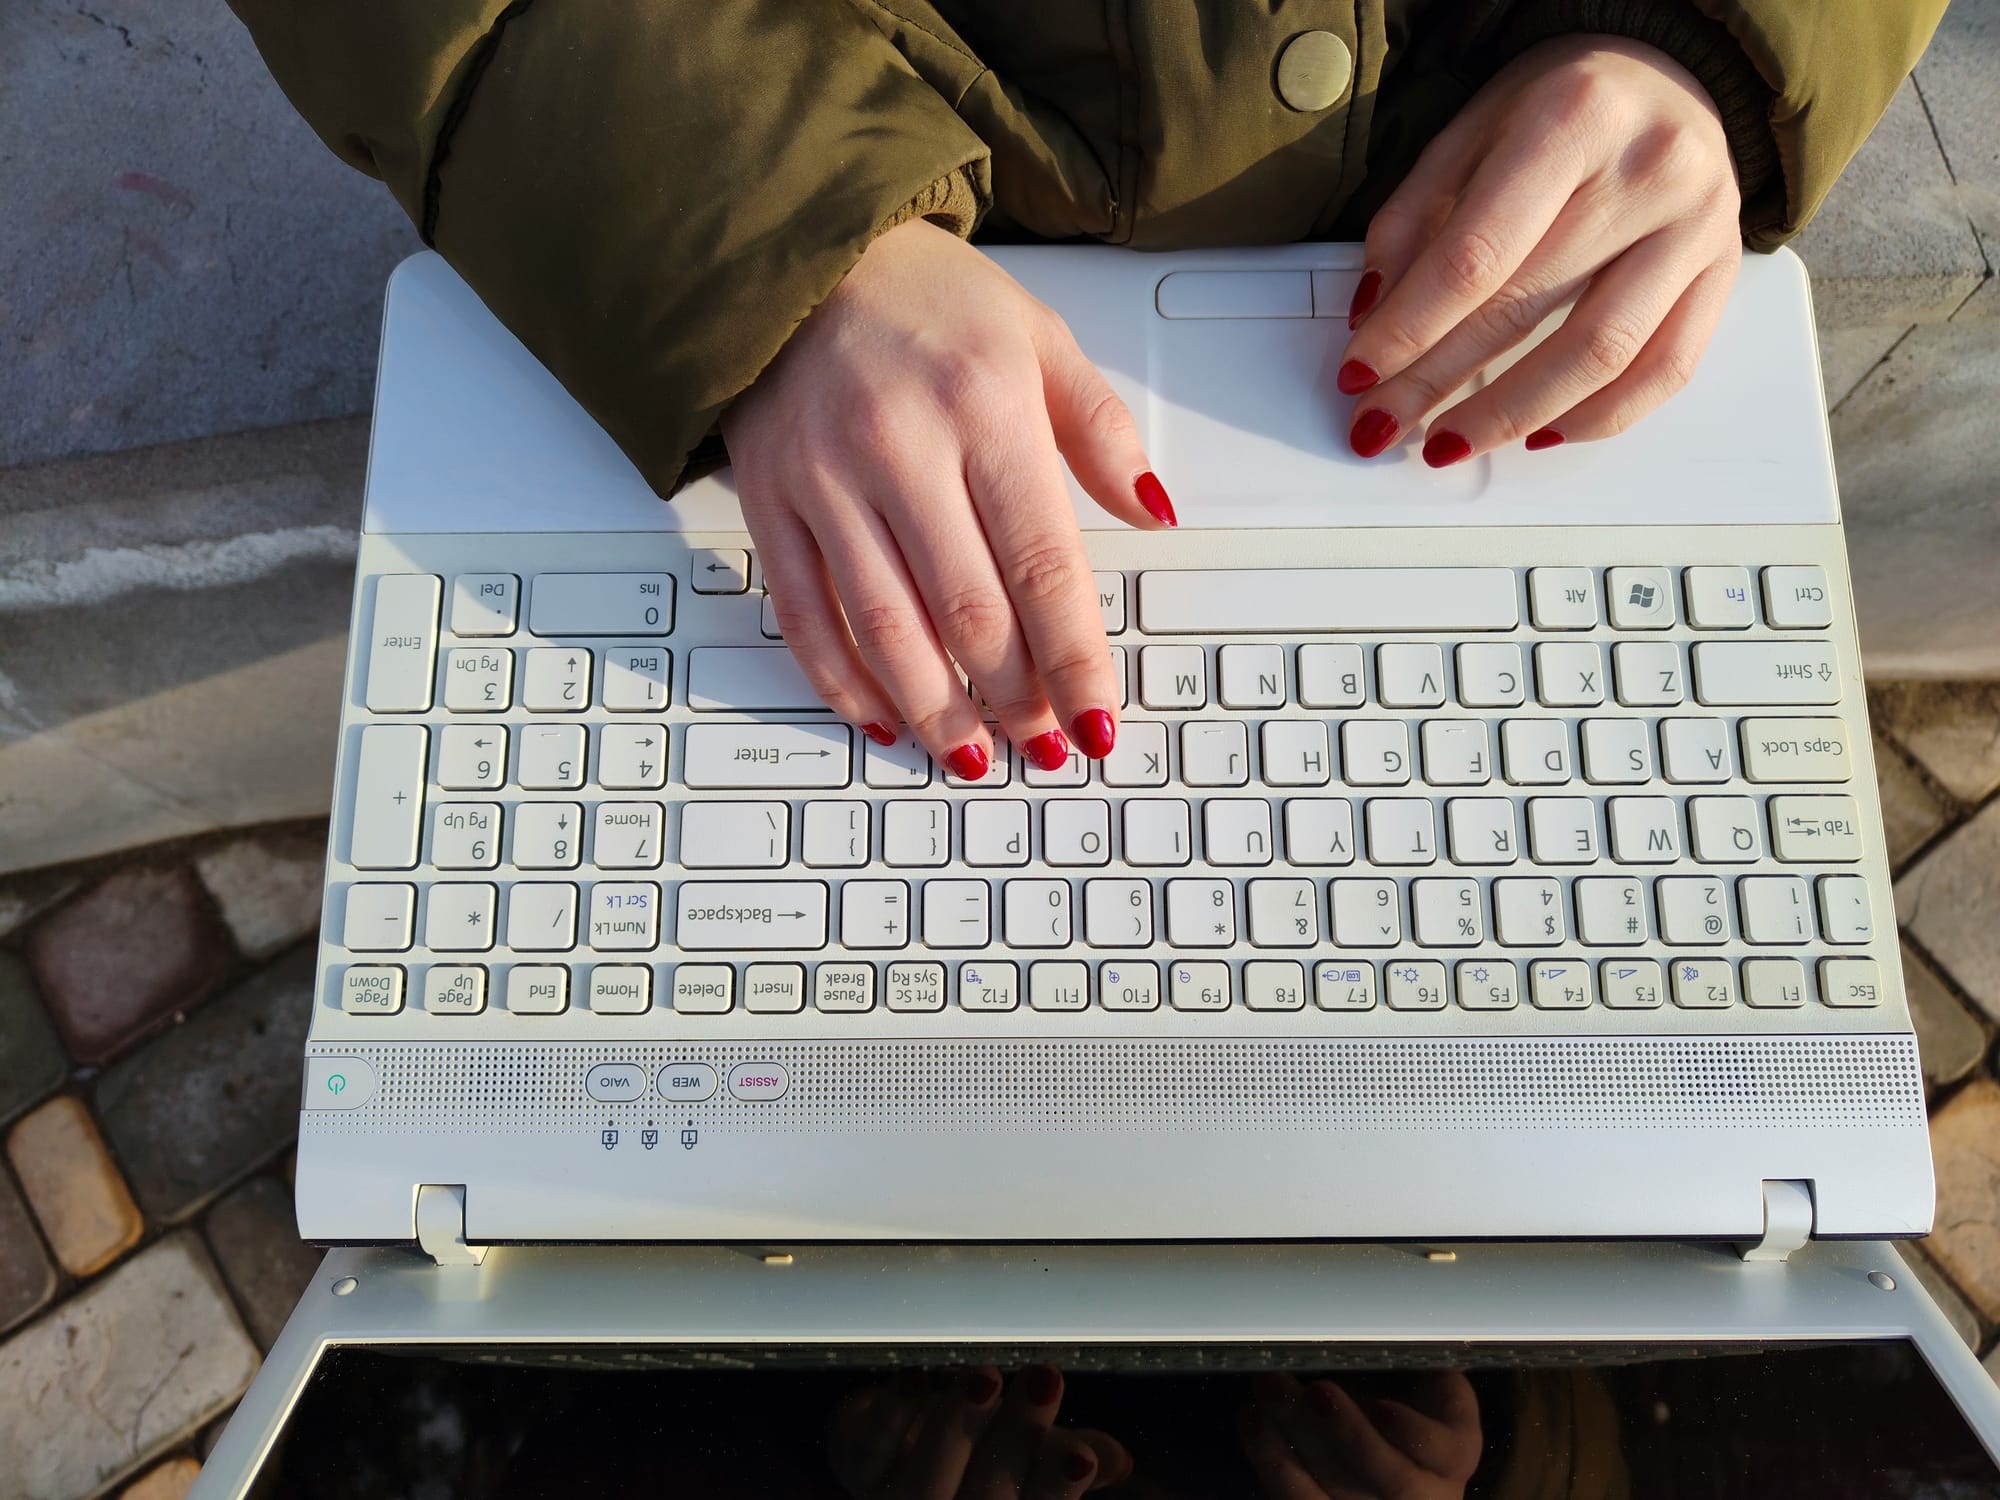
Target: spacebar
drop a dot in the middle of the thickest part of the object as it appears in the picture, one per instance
(1224, 600)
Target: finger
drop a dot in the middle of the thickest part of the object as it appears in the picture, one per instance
(1006, 1451)
(1280, 1474)
(1552, 275)
(867, 1429)
(1065, 1467)
(1446, 1396)
(966, 602)
(1343, 1432)
(892, 630)
(1114, 1459)
(1016, 482)
(934, 1467)
(1411, 216)
(1598, 341)
(1662, 367)
(1426, 1442)
(1504, 212)
(809, 617)
(1096, 435)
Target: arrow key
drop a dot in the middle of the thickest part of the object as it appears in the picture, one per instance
(723, 570)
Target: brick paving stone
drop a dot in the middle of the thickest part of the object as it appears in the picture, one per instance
(124, 956)
(1911, 812)
(1950, 1039)
(267, 887)
(74, 1186)
(32, 1064)
(1952, 728)
(25, 897)
(170, 1481)
(1965, 1242)
(1951, 1302)
(27, 1279)
(215, 1097)
(255, 1236)
(120, 1374)
(1948, 902)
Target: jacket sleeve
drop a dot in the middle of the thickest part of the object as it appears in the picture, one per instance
(1799, 83)
(650, 193)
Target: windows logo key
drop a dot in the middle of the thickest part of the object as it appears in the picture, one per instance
(1644, 595)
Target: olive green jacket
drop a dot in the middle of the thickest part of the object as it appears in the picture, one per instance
(653, 193)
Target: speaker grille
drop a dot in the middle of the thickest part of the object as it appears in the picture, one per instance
(1167, 1086)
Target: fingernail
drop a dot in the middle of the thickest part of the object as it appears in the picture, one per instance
(981, 1386)
(1444, 448)
(1094, 732)
(1354, 377)
(1545, 437)
(1041, 1384)
(1049, 752)
(968, 762)
(1373, 431)
(1153, 495)
(1365, 293)
(881, 734)
(1079, 1465)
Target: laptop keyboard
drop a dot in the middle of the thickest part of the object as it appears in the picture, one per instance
(571, 797)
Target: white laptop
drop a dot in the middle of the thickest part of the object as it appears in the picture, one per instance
(1490, 853)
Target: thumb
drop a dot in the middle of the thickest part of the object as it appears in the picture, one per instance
(1096, 433)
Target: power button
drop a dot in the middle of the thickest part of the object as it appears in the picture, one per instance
(338, 1083)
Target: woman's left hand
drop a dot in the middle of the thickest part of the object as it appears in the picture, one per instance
(1591, 168)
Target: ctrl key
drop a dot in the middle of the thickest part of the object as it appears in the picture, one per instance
(372, 990)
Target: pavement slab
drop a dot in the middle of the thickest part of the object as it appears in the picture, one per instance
(27, 1277)
(169, 1481)
(254, 1233)
(78, 1195)
(214, 1098)
(32, 1063)
(1950, 1301)
(1965, 1145)
(125, 956)
(268, 887)
(1948, 902)
(1960, 82)
(25, 897)
(115, 1377)
(1952, 729)
(1950, 1039)
(1911, 812)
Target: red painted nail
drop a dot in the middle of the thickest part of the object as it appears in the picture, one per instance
(981, 1386)
(1041, 1384)
(1545, 437)
(1354, 377)
(881, 734)
(1049, 752)
(1153, 495)
(968, 762)
(1373, 431)
(1095, 732)
(1365, 293)
(1079, 1465)
(1444, 448)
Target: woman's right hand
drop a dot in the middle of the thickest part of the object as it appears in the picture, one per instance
(900, 466)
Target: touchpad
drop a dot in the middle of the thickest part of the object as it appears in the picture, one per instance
(1244, 414)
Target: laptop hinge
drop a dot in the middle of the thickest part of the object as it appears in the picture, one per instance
(1788, 1220)
(441, 1226)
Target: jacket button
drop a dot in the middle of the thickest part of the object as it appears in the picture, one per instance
(1314, 71)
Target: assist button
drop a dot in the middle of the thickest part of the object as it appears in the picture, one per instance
(758, 1081)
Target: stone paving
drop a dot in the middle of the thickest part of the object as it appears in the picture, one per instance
(152, 1006)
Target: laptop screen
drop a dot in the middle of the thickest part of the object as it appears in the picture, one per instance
(1826, 1421)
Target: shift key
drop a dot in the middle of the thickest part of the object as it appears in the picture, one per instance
(750, 915)
(1727, 673)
